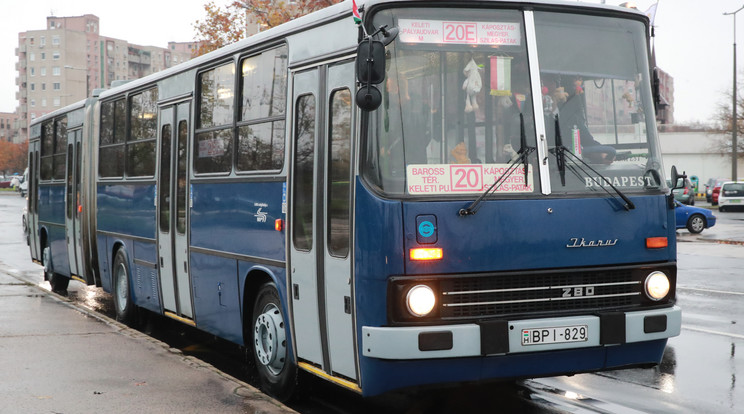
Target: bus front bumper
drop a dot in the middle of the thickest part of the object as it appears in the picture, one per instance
(520, 336)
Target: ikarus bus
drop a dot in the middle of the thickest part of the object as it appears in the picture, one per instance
(447, 192)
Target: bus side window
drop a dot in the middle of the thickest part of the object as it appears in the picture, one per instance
(213, 147)
(304, 160)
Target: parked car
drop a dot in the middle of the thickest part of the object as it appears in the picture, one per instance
(710, 185)
(685, 191)
(23, 187)
(695, 219)
(5, 182)
(716, 191)
(731, 196)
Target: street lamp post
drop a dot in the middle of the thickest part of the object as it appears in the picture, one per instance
(734, 155)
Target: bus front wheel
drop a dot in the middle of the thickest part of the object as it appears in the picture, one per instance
(58, 282)
(276, 370)
(123, 302)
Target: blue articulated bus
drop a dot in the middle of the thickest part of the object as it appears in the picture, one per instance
(447, 192)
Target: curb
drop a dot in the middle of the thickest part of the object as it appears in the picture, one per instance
(734, 242)
(259, 401)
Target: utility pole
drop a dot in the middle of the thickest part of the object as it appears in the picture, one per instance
(734, 155)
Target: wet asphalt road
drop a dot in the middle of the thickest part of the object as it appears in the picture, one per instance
(698, 373)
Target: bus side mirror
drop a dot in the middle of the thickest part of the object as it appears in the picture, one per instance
(370, 69)
(676, 178)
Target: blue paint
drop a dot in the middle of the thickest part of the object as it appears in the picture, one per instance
(505, 235)
(127, 208)
(224, 218)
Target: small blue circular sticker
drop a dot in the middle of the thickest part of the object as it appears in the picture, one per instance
(426, 228)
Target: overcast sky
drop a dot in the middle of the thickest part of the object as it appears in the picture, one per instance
(694, 40)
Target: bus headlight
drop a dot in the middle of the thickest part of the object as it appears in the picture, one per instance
(657, 285)
(420, 300)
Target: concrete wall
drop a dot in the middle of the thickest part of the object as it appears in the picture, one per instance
(695, 154)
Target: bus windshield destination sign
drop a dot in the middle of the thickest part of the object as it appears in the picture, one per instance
(464, 33)
(465, 178)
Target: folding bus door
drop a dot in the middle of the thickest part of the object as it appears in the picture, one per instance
(32, 217)
(320, 222)
(172, 212)
(72, 204)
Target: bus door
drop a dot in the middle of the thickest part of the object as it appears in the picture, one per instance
(72, 203)
(320, 221)
(172, 210)
(32, 217)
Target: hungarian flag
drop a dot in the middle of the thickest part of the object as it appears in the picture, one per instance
(355, 11)
(501, 75)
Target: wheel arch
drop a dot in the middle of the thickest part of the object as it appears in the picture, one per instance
(254, 278)
(115, 247)
(43, 237)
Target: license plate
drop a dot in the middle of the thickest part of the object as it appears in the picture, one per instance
(555, 335)
(735, 201)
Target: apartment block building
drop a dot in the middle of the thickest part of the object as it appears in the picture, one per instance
(69, 59)
(9, 127)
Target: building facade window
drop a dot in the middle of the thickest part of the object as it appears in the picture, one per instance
(55, 55)
(56, 71)
(55, 40)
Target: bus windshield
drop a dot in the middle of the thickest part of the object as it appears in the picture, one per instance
(460, 98)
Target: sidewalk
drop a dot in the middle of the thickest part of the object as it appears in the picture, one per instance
(58, 358)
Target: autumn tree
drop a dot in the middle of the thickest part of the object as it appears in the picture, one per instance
(13, 157)
(222, 27)
(270, 13)
(723, 126)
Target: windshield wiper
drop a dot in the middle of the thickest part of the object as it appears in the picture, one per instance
(524, 152)
(560, 152)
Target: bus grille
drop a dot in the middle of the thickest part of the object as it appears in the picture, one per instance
(497, 295)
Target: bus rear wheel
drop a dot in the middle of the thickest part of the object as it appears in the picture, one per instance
(58, 282)
(276, 370)
(123, 303)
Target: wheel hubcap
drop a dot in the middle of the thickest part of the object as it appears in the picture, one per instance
(45, 260)
(270, 340)
(697, 224)
(122, 288)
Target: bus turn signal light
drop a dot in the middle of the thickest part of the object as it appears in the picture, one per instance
(426, 254)
(278, 224)
(656, 242)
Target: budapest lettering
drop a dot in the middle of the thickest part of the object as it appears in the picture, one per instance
(621, 181)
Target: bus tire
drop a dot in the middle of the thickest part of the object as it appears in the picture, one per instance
(58, 282)
(123, 303)
(269, 344)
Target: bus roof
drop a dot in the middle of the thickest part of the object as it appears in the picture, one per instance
(335, 12)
